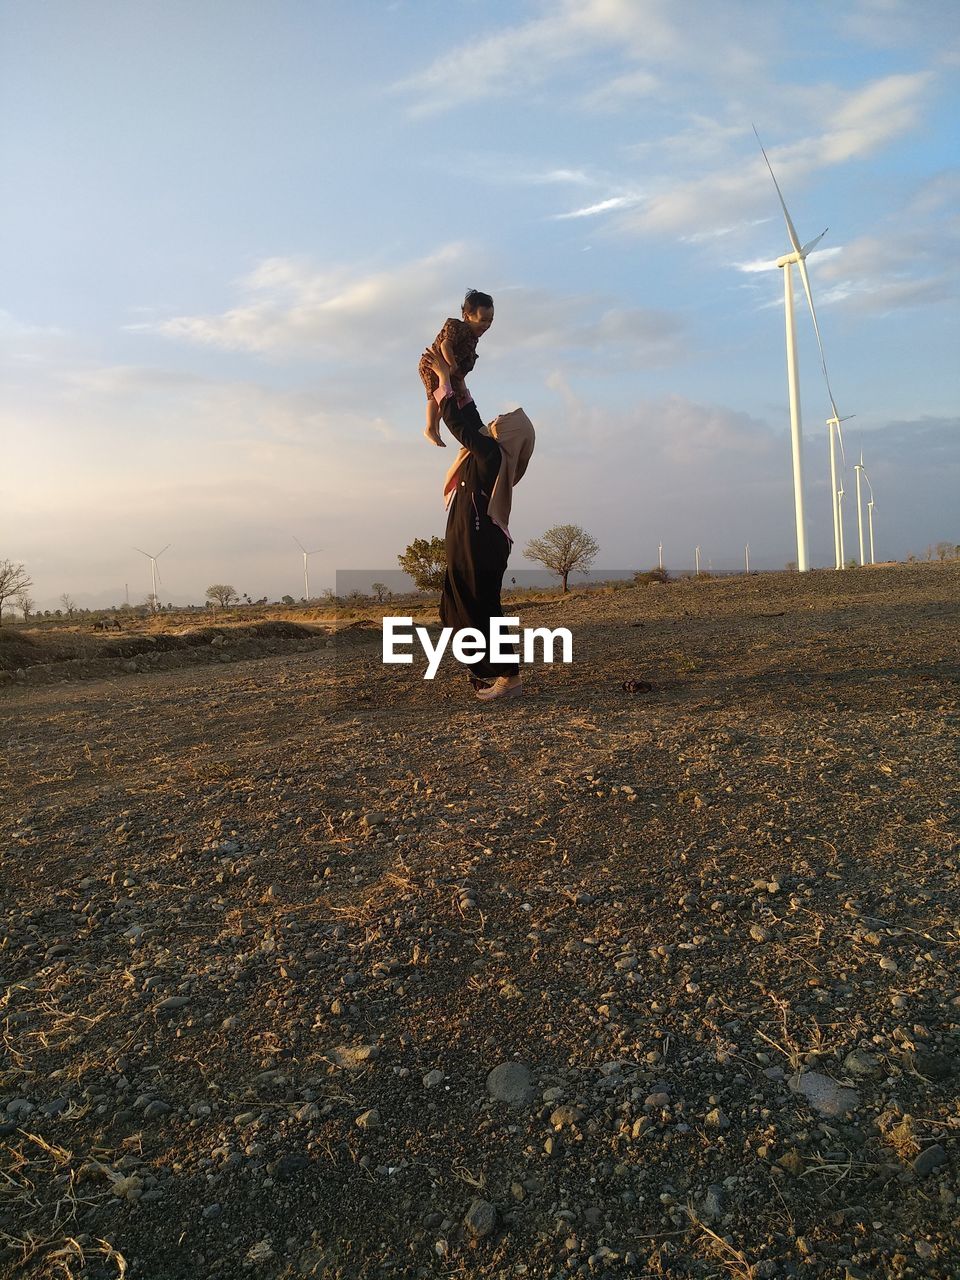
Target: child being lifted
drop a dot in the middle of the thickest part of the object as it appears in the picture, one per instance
(457, 343)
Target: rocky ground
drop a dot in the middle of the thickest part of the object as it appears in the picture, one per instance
(313, 968)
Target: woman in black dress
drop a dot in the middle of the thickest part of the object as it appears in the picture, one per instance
(477, 548)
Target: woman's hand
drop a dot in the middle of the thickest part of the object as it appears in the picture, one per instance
(438, 364)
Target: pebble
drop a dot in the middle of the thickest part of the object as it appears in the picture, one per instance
(154, 1110)
(759, 933)
(860, 1063)
(173, 1002)
(716, 1120)
(432, 1078)
(480, 1219)
(511, 1082)
(20, 1107)
(566, 1117)
(714, 1203)
(825, 1096)
(929, 1159)
(368, 1119)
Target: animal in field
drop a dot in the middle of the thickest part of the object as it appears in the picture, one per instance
(107, 624)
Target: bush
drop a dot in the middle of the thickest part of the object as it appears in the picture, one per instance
(642, 579)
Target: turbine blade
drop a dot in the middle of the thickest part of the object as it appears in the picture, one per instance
(166, 548)
(816, 328)
(791, 229)
(144, 553)
(300, 544)
(816, 240)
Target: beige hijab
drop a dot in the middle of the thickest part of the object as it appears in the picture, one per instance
(515, 435)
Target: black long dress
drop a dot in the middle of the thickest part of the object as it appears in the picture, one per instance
(477, 549)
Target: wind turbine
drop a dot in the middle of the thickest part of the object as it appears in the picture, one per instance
(746, 552)
(834, 424)
(799, 256)
(858, 467)
(870, 505)
(697, 556)
(155, 575)
(306, 572)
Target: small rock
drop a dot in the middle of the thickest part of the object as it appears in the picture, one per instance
(860, 1063)
(716, 1120)
(369, 1119)
(924, 1249)
(759, 933)
(20, 1107)
(888, 965)
(929, 1159)
(173, 1002)
(154, 1110)
(566, 1117)
(262, 1251)
(658, 1100)
(511, 1082)
(432, 1078)
(480, 1219)
(714, 1203)
(825, 1096)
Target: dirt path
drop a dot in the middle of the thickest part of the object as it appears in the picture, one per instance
(269, 925)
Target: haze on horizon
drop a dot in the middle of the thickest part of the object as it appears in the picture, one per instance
(230, 232)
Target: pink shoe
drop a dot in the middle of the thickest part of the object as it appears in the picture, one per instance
(502, 687)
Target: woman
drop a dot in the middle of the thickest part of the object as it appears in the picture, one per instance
(479, 489)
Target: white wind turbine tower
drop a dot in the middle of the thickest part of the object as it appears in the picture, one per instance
(799, 256)
(870, 505)
(155, 575)
(306, 570)
(858, 467)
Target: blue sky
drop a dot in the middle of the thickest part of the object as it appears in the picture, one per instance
(231, 228)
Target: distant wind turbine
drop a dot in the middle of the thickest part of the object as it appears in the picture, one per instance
(871, 504)
(858, 467)
(306, 570)
(155, 575)
(799, 256)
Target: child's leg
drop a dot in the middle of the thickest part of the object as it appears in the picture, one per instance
(432, 429)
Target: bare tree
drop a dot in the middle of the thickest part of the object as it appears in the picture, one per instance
(13, 580)
(25, 604)
(943, 549)
(380, 591)
(68, 603)
(223, 594)
(563, 549)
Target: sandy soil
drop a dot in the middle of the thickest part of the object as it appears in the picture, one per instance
(313, 968)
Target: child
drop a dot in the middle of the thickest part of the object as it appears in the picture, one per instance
(457, 343)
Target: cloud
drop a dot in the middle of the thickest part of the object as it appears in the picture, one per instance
(290, 308)
(602, 206)
(860, 122)
(587, 329)
(651, 34)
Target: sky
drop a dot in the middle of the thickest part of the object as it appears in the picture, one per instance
(229, 230)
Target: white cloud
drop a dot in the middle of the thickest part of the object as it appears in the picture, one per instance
(602, 206)
(291, 308)
(652, 34)
(860, 121)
